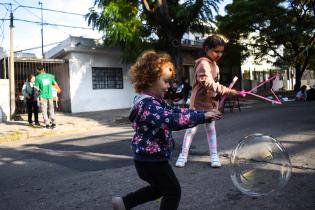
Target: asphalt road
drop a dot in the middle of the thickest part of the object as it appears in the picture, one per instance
(84, 171)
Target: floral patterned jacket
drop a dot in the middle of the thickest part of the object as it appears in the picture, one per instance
(153, 120)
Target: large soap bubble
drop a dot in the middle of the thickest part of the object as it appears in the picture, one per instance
(259, 165)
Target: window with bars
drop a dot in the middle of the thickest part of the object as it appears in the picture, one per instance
(107, 78)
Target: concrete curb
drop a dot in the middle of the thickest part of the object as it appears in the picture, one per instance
(66, 128)
(74, 124)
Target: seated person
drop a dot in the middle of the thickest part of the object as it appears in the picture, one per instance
(172, 95)
(311, 94)
(301, 95)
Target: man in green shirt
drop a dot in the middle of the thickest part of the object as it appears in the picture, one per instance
(43, 83)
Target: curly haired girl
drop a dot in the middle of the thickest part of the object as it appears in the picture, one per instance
(153, 120)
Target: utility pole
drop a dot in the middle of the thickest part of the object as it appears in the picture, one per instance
(42, 29)
(11, 74)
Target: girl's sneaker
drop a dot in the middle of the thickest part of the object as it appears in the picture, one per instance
(46, 127)
(181, 161)
(118, 203)
(37, 125)
(215, 161)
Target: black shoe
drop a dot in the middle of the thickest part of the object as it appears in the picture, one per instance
(37, 125)
(45, 127)
(53, 125)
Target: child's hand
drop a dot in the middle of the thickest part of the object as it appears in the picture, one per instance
(242, 93)
(234, 92)
(213, 115)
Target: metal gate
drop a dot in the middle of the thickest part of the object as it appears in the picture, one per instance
(26, 66)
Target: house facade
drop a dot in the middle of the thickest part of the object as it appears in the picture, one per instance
(98, 78)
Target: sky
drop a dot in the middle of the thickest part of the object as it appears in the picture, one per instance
(28, 35)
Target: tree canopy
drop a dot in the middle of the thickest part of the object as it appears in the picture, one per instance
(139, 24)
(283, 29)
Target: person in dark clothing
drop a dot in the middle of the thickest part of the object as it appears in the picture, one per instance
(311, 94)
(301, 95)
(185, 90)
(171, 94)
(31, 96)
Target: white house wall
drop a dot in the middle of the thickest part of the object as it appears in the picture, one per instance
(4, 100)
(83, 97)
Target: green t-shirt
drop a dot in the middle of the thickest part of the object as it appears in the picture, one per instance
(44, 82)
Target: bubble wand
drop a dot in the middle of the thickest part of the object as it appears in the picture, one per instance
(230, 86)
(249, 92)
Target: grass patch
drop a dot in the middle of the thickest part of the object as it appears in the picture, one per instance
(11, 136)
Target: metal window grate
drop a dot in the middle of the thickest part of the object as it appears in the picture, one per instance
(107, 78)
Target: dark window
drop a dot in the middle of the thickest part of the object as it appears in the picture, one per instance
(107, 78)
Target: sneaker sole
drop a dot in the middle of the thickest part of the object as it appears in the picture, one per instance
(215, 166)
(180, 166)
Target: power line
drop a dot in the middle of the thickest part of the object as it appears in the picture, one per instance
(50, 10)
(26, 9)
(5, 15)
(10, 5)
(34, 15)
(53, 24)
(33, 48)
(2, 27)
(49, 24)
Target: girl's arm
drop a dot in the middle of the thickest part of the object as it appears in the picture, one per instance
(24, 92)
(177, 110)
(204, 77)
(182, 110)
(160, 116)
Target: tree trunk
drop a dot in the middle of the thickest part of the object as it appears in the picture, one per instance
(174, 48)
(298, 76)
(169, 32)
(176, 53)
(300, 67)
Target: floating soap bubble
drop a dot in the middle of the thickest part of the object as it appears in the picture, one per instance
(259, 165)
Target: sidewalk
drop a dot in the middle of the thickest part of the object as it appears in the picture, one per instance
(67, 123)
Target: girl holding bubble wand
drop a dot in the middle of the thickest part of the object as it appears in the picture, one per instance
(153, 120)
(205, 91)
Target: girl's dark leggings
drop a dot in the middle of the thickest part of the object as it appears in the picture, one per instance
(162, 183)
(32, 107)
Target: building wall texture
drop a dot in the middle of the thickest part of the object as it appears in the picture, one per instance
(4, 100)
(83, 97)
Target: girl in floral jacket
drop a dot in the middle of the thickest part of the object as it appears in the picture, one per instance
(153, 120)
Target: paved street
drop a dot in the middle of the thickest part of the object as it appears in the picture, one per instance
(83, 171)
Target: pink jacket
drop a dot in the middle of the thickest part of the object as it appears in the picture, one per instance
(206, 85)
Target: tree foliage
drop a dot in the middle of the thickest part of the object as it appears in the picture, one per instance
(119, 22)
(139, 24)
(282, 29)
